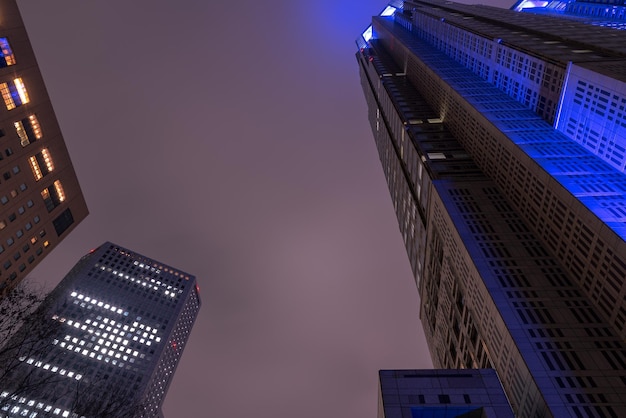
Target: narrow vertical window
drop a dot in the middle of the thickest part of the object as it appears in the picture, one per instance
(14, 93)
(28, 130)
(41, 164)
(6, 55)
(58, 187)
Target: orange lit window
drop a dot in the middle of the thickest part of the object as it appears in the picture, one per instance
(41, 164)
(28, 129)
(14, 93)
(53, 195)
(59, 189)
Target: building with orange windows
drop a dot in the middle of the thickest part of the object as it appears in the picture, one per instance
(40, 198)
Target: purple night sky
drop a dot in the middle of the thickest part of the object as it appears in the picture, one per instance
(230, 140)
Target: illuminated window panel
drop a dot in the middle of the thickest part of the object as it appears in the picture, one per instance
(41, 164)
(14, 93)
(6, 54)
(53, 196)
(28, 130)
(59, 190)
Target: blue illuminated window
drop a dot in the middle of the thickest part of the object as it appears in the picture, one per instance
(14, 93)
(389, 11)
(6, 55)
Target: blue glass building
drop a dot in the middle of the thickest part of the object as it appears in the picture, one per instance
(441, 394)
(512, 216)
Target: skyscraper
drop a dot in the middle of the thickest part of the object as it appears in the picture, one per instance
(119, 323)
(609, 13)
(40, 198)
(485, 121)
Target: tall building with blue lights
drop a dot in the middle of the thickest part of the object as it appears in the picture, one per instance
(501, 135)
(120, 322)
(609, 13)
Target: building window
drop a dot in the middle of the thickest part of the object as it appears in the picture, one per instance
(63, 222)
(41, 164)
(6, 54)
(14, 93)
(28, 129)
(53, 195)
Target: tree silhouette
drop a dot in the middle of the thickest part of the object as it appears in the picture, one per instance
(28, 328)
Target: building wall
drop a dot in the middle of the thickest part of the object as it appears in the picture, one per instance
(534, 67)
(120, 322)
(28, 230)
(441, 393)
(593, 112)
(545, 177)
(492, 293)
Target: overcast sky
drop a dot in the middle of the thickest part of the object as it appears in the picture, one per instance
(230, 140)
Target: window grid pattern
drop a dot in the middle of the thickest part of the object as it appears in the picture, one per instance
(464, 315)
(115, 333)
(595, 116)
(523, 179)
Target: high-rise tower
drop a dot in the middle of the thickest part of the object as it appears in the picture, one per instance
(513, 217)
(609, 13)
(119, 323)
(40, 198)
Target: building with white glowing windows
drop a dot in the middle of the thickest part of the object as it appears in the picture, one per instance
(119, 323)
(40, 198)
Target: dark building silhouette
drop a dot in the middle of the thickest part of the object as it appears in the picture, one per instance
(500, 137)
(119, 323)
